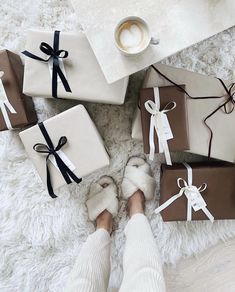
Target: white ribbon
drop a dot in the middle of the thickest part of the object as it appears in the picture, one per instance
(5, 104)
(194, 198)
(156, 124)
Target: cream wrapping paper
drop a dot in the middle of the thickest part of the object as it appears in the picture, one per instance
(222, 125)
(82, 71)
(85, 148)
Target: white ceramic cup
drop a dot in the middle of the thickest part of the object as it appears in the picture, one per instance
(145, 32)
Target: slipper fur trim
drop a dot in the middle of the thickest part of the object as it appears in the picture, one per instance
(102, 198)
(137, 176)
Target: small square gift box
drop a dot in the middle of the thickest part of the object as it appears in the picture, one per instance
(65, 148)
(164, 120)
(210, 105)
(16, 109)
(197, 191)
(63, 65)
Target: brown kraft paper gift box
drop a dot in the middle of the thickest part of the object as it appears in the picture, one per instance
(177, 117)
(219, 194)
(12, 80)
(202, 86)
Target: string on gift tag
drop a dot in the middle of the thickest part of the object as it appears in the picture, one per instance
(55, 54)
(195, 200)
(5, 104)
(230, 95)
(49, 149)
(159, 124)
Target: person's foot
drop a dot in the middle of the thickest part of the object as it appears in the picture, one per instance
(136, 203)
(105, 221)
(102, 203)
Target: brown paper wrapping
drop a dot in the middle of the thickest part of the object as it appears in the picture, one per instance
(12, 80)
(219, 194)
(177, 118)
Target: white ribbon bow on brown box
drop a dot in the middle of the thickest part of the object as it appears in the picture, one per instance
(195, 200)
(159, 123)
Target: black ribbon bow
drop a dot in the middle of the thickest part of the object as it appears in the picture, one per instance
(55, 54)
(49, 149)
(230, 94)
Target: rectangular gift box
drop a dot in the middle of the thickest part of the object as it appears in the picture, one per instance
(81, 68)
(16, 109)
(177, 117)
(219, 194)
(84, 147)
(198, 85)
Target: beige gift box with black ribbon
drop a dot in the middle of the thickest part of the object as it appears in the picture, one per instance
(81, 70)
(198, 85)
(84, 148)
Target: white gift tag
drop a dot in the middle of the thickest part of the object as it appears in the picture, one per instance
(50, 66)
(166, 127)
(66, 160)
(196, 200)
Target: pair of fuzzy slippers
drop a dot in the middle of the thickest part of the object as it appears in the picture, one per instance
(103, 194)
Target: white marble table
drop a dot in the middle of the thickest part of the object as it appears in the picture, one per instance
(177, 23)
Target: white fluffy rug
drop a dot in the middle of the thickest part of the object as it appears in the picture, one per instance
(40, 237)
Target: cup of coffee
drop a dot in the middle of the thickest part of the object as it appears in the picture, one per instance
(132, 36)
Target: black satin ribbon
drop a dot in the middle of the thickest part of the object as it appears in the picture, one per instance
(55, 54)
(49, 149)
(230, 94)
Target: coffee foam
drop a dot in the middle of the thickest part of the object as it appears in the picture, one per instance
(131, 36)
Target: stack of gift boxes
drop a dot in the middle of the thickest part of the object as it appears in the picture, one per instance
(178, 111)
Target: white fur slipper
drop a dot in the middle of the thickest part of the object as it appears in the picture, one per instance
(102, 198)
(137, 176)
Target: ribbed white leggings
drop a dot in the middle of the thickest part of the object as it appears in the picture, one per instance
(141, 264)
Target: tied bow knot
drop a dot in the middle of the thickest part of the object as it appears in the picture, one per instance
(230, 93)
(43, 148)
(52, 53)
(191, 190)
(157, 124)
(49, 149)
(154, 109)
(55, 54)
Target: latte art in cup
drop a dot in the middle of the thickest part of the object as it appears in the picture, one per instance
(132, 36)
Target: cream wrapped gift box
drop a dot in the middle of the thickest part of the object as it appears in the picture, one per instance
(80, 69)
(83, 153)
(198, 85)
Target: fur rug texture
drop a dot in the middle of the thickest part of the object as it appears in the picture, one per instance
(40, 238)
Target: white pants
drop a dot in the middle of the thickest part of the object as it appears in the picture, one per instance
(141, 263)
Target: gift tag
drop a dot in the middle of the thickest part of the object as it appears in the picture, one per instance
(66, 160)
(61, 64)
(165, 127)
(196, 200)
